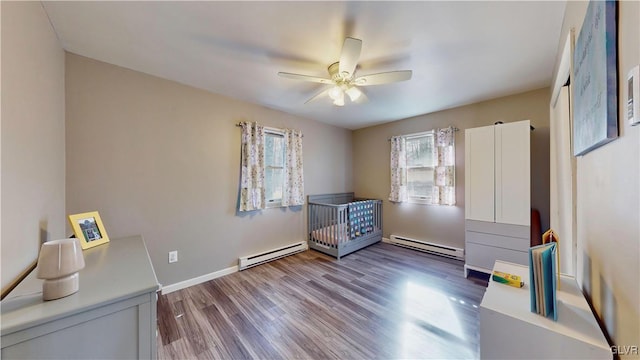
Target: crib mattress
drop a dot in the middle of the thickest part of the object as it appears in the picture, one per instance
(331, 235)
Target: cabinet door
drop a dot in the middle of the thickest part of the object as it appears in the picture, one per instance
(479, 173)
(513, 173)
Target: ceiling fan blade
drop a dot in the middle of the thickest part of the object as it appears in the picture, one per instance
(318, 95)
(383, 78)
(349, 56)
(305, 78)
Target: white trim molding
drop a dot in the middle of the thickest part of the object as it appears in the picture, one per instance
(198, 280)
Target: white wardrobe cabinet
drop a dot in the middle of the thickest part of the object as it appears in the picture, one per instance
(497, 194)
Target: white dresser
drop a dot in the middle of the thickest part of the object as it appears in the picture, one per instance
(509, 330)
(112, 316)
(497, 195)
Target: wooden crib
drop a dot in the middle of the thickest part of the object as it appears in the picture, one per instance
(340, 224)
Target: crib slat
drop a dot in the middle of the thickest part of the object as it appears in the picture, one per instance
(334, 214)
(329, 228)
(343, 224)
(334, 227)
(309, 221)
(325, 213)
(330, 225)
(327, 224)
(323, 222)
(339, 225)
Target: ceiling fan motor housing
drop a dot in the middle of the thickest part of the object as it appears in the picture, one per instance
(334, 73)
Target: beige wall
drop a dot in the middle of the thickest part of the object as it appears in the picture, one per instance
(32, 185)
(608, 199)
(161, 159)
(444, 224)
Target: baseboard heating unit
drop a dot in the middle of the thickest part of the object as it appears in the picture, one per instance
(443, 250)
(257, 259)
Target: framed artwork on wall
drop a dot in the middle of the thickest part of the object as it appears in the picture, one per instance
(595, 81)
(88, 228)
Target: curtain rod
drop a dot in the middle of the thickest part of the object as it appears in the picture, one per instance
(266, 127)
(454, 129)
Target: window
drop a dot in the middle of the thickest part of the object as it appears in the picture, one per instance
(423, 167)
(420, 167)
(274, 167)
(271, 170)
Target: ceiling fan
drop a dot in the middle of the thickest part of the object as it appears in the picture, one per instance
(342, 76)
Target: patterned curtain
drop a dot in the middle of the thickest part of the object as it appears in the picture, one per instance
(252, 162)
(444, 173)
(293, 187)
(398, 170)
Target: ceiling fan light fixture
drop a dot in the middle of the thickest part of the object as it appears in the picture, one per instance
(339, 100)
(336, 92)
(354, 93)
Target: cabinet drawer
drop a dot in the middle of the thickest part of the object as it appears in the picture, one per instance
(510, 230)
(485, 256)
(506, 242)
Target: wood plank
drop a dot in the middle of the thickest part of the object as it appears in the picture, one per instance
(167, 326)
(224, 330)
(383, 301)
(194, 327)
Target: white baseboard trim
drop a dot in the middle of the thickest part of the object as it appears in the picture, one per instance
(386, 240)
(198, 280)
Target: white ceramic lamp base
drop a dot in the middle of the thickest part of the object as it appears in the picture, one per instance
(57, 288)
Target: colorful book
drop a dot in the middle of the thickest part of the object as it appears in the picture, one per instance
(542, 275)
(538, 269)
(552, 236)
(549, 280)
(508, 279)
(533, 289)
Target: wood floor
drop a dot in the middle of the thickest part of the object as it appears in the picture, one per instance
(382, 302)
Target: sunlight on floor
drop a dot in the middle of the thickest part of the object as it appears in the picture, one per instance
(432, 326)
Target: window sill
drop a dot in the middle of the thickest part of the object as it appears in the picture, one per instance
(425, 202)
(419, 202)
(273, 205)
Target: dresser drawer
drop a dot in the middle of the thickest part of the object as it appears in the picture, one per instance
(485, 256)
(519, 231)
(500, 241)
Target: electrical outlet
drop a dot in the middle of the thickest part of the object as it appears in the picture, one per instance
(173, 256)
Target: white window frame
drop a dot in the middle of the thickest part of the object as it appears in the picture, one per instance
(424, 200)
(275, 203)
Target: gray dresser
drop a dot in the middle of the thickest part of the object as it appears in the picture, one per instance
(112, 316)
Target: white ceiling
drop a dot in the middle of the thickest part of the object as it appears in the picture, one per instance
(460, 52)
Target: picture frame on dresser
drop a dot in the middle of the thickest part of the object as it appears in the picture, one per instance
(89, 229)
